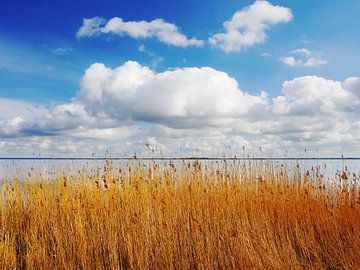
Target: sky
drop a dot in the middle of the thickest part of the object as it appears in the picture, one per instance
(80, 78)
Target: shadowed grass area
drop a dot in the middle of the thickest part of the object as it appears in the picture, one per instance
(181, 216)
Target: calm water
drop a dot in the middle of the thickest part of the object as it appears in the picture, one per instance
(21, 168)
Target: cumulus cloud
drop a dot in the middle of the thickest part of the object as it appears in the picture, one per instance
(191, 96)
(158, 28)
(303, 58)
(311, 95)
(200, 110)
(14, 114)
(24, 109)
(109, 134)
(248, 26)
(352, 85)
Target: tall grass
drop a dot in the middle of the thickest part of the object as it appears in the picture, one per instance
(181, 216)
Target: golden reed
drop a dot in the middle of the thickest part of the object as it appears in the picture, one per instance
(180, 216)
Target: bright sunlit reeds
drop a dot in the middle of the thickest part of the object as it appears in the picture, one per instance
(181, 216)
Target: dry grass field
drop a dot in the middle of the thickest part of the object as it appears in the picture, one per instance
(181, 216)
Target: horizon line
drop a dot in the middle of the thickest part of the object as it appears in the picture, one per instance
(182, 158)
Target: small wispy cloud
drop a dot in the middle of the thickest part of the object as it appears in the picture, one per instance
(62, 50)
(156, 60)
(303, 58)
(142, 48)
(91, 27)
(266, 54)
(158, 28)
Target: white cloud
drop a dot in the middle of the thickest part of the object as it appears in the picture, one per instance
(266, 54)
(312, 95)
(11, 127)
(200, 110)
(45, 144)
(155, 60)
(191, 96)
(352, 85)
(91, 27)
(10, 108)
(248, 26)
(14, 114)
(158, 28)
(142, 48)
(112, 134)
(303, 58)
(62, 50)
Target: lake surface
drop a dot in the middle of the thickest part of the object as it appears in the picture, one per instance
(21, 168)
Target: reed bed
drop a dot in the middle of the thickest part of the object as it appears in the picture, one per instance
(227, 215)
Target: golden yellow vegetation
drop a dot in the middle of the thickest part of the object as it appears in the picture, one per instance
(180, 216)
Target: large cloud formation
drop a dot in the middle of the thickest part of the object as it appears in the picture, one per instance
(193, 109)
(187, 97)
(248, 26)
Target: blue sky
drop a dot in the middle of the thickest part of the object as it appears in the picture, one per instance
(43, 60)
